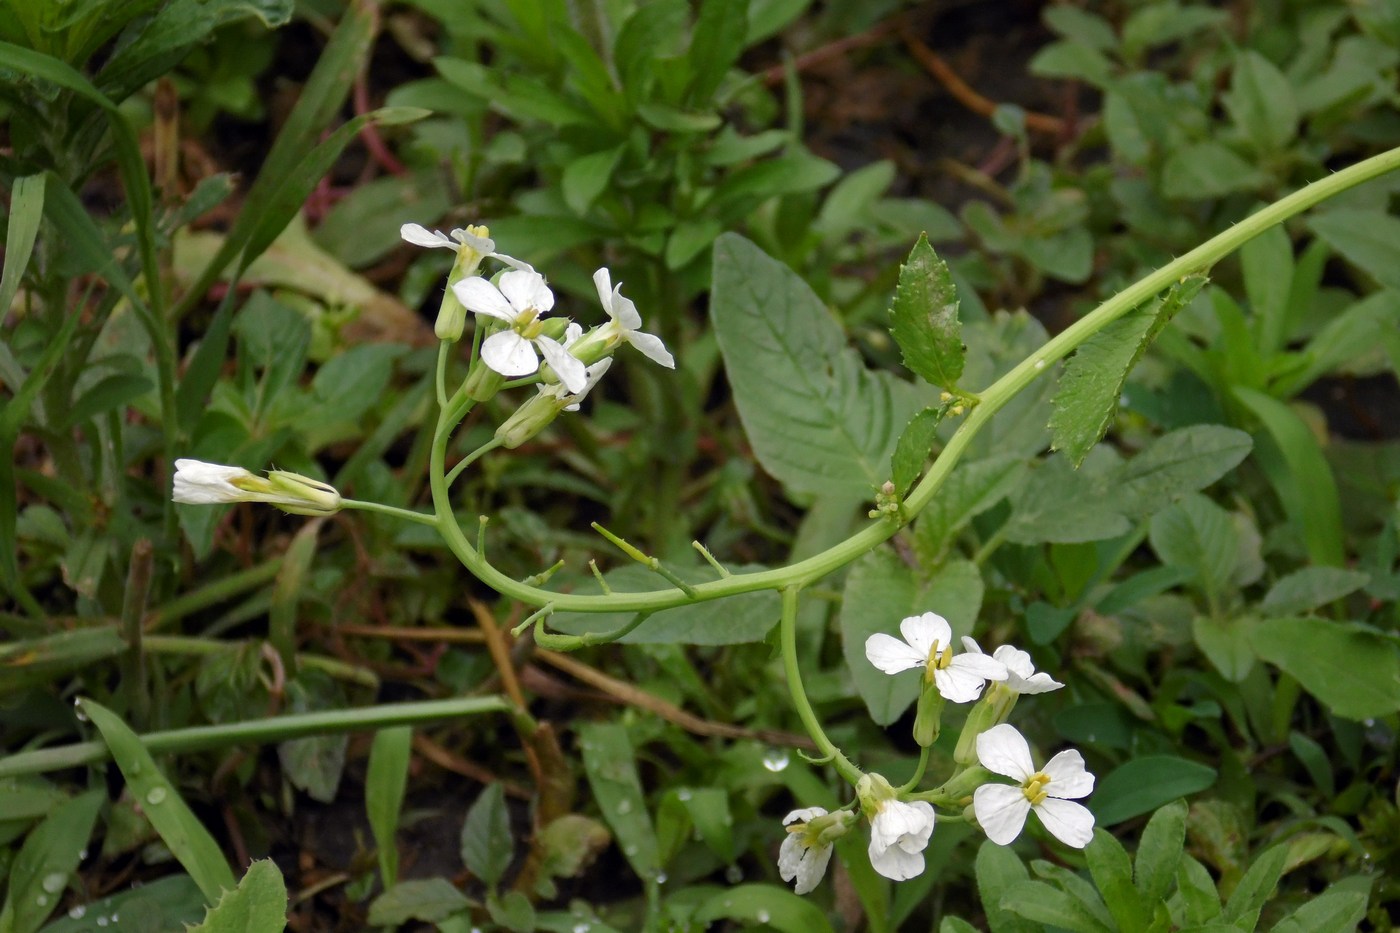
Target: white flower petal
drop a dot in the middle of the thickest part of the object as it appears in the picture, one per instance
(509, 354)
(595, 373)
(603, 282)
(570, 369)
(1021, 673)
(624, 310)
(898, 834)
(1067, 775)
(805, 814)
(199, 483)
(957, 684)
(481, 297)
(896, 864)
(924, 631)
(525, 290)
(1004, 750)
(483, 245)
(891, 655)
(1001, 811)
(971, 646)
(419, 235)
(1067, 821)
(652, 348)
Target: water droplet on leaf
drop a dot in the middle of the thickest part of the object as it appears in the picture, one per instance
(775, 759)
(155, 796)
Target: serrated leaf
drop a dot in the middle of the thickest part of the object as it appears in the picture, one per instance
(1092, 382)
(429, 900)
(257, 905)
(924, 318)
(819, 421)
(487, 844)
(912, 450)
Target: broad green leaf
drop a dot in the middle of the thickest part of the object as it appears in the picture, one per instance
(1113, 876)
(1346, 343)
(1311, 588)
(1085, 28)
(1197, 534)
(1255, 888)
(363, 227)
(1328, 912)
(1093, 379)
(587, 177)
(1061, 505)
(487, 843)
(1315, 759)
(385, 782)
(1159, 851)
(1353, 671)
(610, 761)
(1038, 901)
(851, 202)
(881, 590)
(747, 617)
(1261, 102)
(41, 871)
(1081, 889)
(912, 450)
(793, 173)
(1267, 261)
(973, 487)
(1226, 642)
(819, 421)
(429, 900)
(1182, 461)
(1366, 237)
(764, 904)
(257, 905)
(924, 318)
(315, 763)
(998, 870)
(1197, 889)
(1072, 60)
(1299, 472)
(179, 828)
(513, 911)
(113, 392)
(1206, 171)
(1144, 784)
(652, 30)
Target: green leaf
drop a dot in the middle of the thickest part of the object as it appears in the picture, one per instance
(257, 905)
(1367, 238)
(1113, 876)
(1311, 588)
(1261, 102)
(1255, 888)
(1353, 671)
(42, 869)
(973, 487)
(912, 450)
(1345, 343)
(385, 782)
(716, 43)
(740, 619)
(1144, 784)
(1059, 505)
(1197, 889)
(429, 900)
(819, 421)
(851, 203)
(1093, 379)
(1182, 461)
(179, 828)
(487, 844)
(26, 210)
(170, 903)
(610, 761)
(1328, 912)
(1159, 851)
(764, 904)
(587, 177)
(1038, 901)
(924, 318)
(881, 590)
(1197, 534)
(1300, 474)
(363, 227)
(998, 870)
(1206, 171)
(313, 764)
(1226, 642)
(113, 392)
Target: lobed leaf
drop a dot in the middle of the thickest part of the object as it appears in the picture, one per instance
(912, 450)
(257, 905)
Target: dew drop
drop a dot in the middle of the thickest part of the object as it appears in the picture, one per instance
(77, 911)
(733, 874)
(102, 921)
(661, 877)
(775, 759)
(630, 850)
(82, 853)
(1039, 364)
(763, 916)
(683, 794)
(78, 711)
(582, 927)
(42, 900)
(155, 796)
(54, 881)
(624, 808)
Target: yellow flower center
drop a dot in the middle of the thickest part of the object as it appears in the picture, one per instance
(1034, 787)
(938, 660)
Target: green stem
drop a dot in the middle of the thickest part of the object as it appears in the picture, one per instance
(408, 515)
(918, 775)
(788, 635)
(191, 645)
(440, 380)
(991, 401)
(221, 589)
(471, 458)
(272, 729)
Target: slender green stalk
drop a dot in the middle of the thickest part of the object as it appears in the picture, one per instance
(788, 636)
(221, 589)
(193, 645)
(257, 731)
(918, 774)
(992, 400)
(408, 515)
(471, 458)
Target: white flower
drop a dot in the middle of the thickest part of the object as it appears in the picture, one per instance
(899, 832)
(1021, 675)
(519, 301)
(928, 643)
(200, 483)
(625, 320)
(474, 238)
(803, 856)
(1001, 808)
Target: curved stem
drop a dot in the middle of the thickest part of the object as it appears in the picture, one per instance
(918, 775)
(788, 637)
(992, 400)
(408, 515)
(471, 458)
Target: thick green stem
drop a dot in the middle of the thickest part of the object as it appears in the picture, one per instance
(272, 729)
(788, 637)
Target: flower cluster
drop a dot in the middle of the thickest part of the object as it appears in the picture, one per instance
(901, 823)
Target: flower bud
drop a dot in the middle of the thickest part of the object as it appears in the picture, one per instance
(928, 721)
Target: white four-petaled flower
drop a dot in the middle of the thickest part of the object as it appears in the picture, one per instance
(520, 301)
(1021, 675)
(803, 856)
(474, 238)
(928, 643)
(899, 832)
(624, 321)
(1001, 808)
